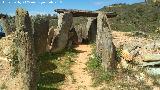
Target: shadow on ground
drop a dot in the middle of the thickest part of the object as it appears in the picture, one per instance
(51, 78)
(47, 88)
(48, 78)
(52, 69)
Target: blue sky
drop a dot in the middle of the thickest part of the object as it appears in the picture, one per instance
(48, 6)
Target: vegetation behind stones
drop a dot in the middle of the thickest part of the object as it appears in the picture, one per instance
(136, 17)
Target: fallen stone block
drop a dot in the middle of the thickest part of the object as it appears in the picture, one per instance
(151, 57)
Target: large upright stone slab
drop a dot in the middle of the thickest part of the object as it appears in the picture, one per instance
(105, 48)
(92, 29)
(41, 28)
(81, 31)
(24, 44)
(65, 21)
(6, 26)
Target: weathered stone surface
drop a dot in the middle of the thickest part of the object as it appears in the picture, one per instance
(153, 71)
(41, 28)
(6, 45)
(24, 44)
(152, 46)
(50, 35)
(78, 13)
(105, 46)
(6, 26)
(151, 57)
(81, 32)
(129, 52)
(50, 39)
(92, 29)
(64, 25)
(152, 64)
(73, 38)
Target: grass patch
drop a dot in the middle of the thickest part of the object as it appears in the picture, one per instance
(97, 71)
(121, 79)
(54, 68)
(3, 87)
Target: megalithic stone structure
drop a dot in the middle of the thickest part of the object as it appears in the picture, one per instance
(84, 13)
(41, 28)
(105, 47)
(65, 21)
(92, 29)
(5, 24)
(24, 43)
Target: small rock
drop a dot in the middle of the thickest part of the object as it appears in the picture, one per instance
(140, 77)
(144, 64)
(124, 64)
(153, 71)
(7, 51)
(150, 46)
(151, 57)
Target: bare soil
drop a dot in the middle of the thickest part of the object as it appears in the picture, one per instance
(82, 79)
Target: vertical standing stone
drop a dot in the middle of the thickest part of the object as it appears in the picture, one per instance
(80, 31)
(41, 28)
(6, 26)
(65, 21)
(73, 38)
(105, 47)
(25, 50)
(50, 39)
(92, 29)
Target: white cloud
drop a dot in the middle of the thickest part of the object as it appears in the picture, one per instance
(98, 3)
(51, 2)
(37, 12)
(61, 1)
(43, 3)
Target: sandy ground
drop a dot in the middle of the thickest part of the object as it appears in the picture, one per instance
(83, 80)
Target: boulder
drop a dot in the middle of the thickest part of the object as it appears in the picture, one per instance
(129, 52)
(153, 71)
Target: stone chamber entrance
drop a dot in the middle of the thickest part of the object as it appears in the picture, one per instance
(32, 38)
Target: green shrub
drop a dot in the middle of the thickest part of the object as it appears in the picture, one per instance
(54, 68)
(135, 17)
(3, 87)
(97, 71)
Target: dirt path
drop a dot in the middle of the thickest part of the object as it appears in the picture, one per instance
(83, 80)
